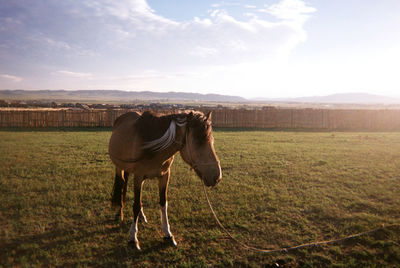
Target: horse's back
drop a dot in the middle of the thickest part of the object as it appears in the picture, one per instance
(127, 118)
(124, 146)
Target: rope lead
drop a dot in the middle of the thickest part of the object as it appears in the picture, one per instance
(290, 248)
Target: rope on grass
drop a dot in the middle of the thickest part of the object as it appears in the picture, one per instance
(295, 247)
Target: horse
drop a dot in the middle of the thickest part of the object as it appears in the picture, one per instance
(145, 144)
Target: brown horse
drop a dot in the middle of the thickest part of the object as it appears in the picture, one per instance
(145, 145)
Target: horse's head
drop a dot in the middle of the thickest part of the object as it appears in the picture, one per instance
(198, 150)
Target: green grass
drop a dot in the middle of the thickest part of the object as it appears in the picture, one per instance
(279, 189)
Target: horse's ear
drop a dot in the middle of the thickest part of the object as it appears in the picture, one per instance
(208, 116)
(189, 116)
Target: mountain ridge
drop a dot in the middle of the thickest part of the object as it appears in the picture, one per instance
(114, 95)
(339, 98)
(130, 96)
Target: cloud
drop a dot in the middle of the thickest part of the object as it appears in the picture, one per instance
(203, 51)
(8, 23)
(231, 4)
(50, 43)
(11, 78)
(251, 15)
(130, 30)
(123, 38)
(74, 74)
(290, 10)
(135, 12)
(217, 39)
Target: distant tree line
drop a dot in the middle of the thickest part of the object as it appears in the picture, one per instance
(55, 105)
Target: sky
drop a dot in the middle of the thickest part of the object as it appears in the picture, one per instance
(252, 48)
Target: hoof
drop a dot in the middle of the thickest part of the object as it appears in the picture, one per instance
(170, 240)
(134, 244)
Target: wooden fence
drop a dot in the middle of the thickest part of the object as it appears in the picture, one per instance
(382, 120)
(59, 118)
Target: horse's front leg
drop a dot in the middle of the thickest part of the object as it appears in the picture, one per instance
(163, 188)
(137, 209)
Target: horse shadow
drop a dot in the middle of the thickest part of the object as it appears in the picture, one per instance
(24, 248)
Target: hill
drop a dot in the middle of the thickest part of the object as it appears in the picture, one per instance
(343, 98)
(113, 95)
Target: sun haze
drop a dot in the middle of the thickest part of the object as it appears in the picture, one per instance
(271, 48)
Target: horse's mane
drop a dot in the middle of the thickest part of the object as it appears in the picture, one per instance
(200, 126)
(158, 131)
(151, 126)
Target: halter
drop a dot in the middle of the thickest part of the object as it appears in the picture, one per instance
(193, 163)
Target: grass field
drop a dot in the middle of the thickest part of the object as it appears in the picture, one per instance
(279, 189)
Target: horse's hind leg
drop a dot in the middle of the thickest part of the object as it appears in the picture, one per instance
(119, 193)
(163, 188)
(137, 208)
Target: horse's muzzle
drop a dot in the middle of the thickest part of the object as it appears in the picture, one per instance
(209, 174)
(212, 181)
